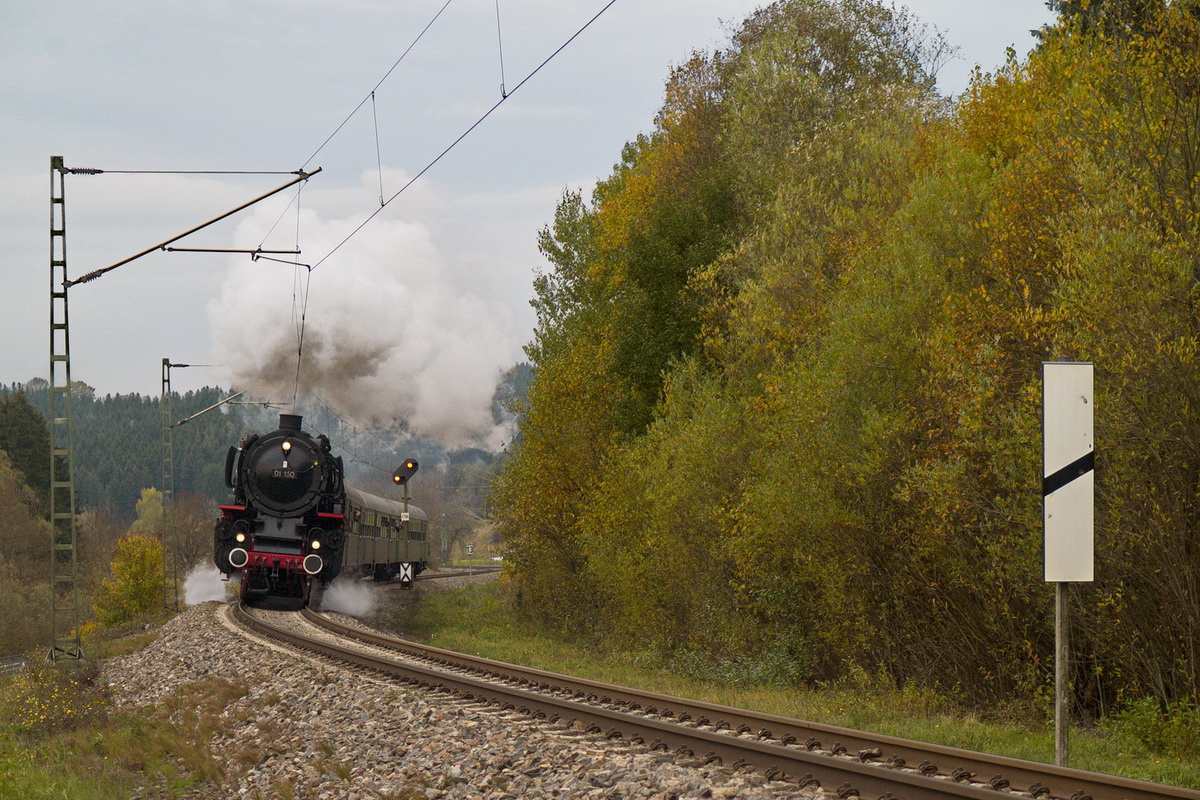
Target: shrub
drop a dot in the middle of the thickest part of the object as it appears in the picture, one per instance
(49, 697)
(1172, 730)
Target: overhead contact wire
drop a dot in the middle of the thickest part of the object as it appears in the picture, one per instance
(371, 94)
(465, 134)
(296, 283)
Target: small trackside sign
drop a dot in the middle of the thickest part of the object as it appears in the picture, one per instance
(1068, 471)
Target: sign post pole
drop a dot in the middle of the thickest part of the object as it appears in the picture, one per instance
(1062, 678)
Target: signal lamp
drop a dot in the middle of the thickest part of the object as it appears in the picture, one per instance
(406, 471)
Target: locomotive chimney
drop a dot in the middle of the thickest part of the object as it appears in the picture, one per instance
(290, 422)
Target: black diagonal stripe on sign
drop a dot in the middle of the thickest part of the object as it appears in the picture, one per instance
(1078, 467)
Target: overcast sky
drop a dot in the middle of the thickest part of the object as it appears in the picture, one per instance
(434, 290)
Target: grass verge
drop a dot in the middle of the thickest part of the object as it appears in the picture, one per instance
(478, 620)
(61, 736)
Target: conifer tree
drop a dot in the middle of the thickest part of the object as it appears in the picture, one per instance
(23, 435)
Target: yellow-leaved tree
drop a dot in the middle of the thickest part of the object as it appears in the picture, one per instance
(134, 588)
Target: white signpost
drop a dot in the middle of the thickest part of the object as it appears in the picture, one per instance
(1068, 483)
(1068, 496)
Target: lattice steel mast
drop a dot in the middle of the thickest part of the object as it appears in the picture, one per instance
(64, 592)
(170, 548)
(65, 614)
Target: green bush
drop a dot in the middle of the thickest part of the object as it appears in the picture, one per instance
(1173, 730)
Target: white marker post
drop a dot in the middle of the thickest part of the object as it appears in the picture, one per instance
(1068, 496)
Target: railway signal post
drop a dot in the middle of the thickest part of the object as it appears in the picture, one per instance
(401, 477)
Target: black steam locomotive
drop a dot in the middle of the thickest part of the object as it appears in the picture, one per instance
(293, 525)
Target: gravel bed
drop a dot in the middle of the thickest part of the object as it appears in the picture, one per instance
(304, 729)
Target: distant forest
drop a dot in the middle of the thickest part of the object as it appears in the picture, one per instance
(119, 443)
(119, 476)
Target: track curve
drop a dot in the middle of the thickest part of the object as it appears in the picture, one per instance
(809, 754)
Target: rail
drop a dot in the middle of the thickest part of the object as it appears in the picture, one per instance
(854, 762)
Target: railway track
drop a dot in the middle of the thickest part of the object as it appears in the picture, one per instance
(457, 572)
(837, 760)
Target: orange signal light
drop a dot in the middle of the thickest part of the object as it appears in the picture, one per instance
(406, 471)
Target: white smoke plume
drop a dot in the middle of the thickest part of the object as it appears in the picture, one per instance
(204, 582)
(389, 338)
(349, 596)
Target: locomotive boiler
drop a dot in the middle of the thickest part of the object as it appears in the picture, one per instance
(293, 525)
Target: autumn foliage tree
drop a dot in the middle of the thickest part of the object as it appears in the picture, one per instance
(135, 587)
(633, 294)
(786, 408)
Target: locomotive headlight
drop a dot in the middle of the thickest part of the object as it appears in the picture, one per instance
(241, 537)
(315, 545)
(287, 446)
(238, 558)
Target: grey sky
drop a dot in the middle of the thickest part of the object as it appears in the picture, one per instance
(221, 85)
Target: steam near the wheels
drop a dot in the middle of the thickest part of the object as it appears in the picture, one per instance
(388, 337)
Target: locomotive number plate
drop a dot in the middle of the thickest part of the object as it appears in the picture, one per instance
(283, 473)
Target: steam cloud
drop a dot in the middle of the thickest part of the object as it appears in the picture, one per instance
(389, 338)
(349, 597)
(204, 582)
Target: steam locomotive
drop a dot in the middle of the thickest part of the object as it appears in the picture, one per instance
(292, 525)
